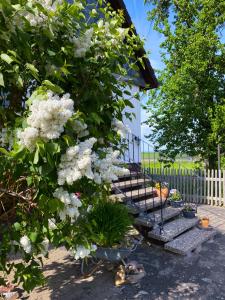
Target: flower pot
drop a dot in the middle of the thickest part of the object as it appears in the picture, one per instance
(189, 214)
(112, 254)
(177, 203)
(204, 222)
(164, 192)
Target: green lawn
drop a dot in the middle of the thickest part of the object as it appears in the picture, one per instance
(177, 165)
(183, 161)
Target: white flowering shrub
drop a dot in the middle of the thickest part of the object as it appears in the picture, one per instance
(60, 125)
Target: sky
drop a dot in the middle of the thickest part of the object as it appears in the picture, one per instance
(138, 12)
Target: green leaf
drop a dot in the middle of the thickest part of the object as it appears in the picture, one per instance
(36, 156)
(29, 180)
(53, 148)
(17, 226)
(31, 68)
(4, 151)
(96, 118)
(2, 80)
(53, 87)
(5, 57)
(128, 103)
(33, 236)
(20, 81)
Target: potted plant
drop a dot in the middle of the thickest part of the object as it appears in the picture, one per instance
(176, 199)
(204, 222)
(189, 211)
(162, 189)
(109, 223)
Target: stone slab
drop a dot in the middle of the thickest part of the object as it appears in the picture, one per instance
(135, 194)
(130, 183)
(155, 217)
(144, 205)
(189, 241)
(172, 229)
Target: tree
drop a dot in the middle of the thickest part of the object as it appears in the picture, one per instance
(184, 108)
(60, 122)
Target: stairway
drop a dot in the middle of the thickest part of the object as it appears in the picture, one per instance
(166, 226)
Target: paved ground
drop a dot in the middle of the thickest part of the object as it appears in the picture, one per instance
(199, 276)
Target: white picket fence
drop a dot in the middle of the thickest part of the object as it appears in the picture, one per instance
(202, 186)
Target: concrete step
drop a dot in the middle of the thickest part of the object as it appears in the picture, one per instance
(168, 213)
(144, 205)
(130, 176)
(189, 241)
(130, 183)
(135, 194)
(172, 229)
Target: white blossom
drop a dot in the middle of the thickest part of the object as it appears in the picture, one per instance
(37, 17)
(121, 129)
(107, 169)
(47, 119)
(76, 163)
(89, 208)
(45, 246)
(26, 244)
(81, 160)
(82, 252)
(52, 224)
(28, 137)
(83, 43)
(71, 204)
(6, 138)
(80, 128)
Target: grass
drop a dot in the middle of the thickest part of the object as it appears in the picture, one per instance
(177, 165)
(150, 159)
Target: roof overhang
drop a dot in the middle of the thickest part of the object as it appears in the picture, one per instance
(146, 71)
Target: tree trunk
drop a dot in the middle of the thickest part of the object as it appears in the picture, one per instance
(212, 161)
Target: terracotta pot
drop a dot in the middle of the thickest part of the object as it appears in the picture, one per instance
(204, 222)
(164, 192)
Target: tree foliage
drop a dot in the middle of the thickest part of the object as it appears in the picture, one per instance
(184, 108)
(60, 122)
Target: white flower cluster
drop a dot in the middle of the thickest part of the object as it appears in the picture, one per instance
(80, 160)
(113, 35)
(45, 246)
(71, 204)
(6, 138)
(47, 119)
(38, 17)
(121, 129)
(80, 128)
(107, 169)
(82, 252)
(26, 244)
(76, 163)
(83, 43)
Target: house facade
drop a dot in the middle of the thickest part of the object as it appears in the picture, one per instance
(143, 80)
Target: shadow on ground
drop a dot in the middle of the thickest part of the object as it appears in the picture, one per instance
(198, 276)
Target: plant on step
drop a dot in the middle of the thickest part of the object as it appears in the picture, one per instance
(189, 210)
(189, 207)
(60, 126)
(108, 223)
(162, 189)
(176, 196)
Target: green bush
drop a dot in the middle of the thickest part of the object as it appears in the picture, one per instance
(109, 222)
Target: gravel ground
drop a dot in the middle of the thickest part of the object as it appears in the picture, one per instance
(168, 276)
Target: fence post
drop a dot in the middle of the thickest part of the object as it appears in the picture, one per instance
(223, 187)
